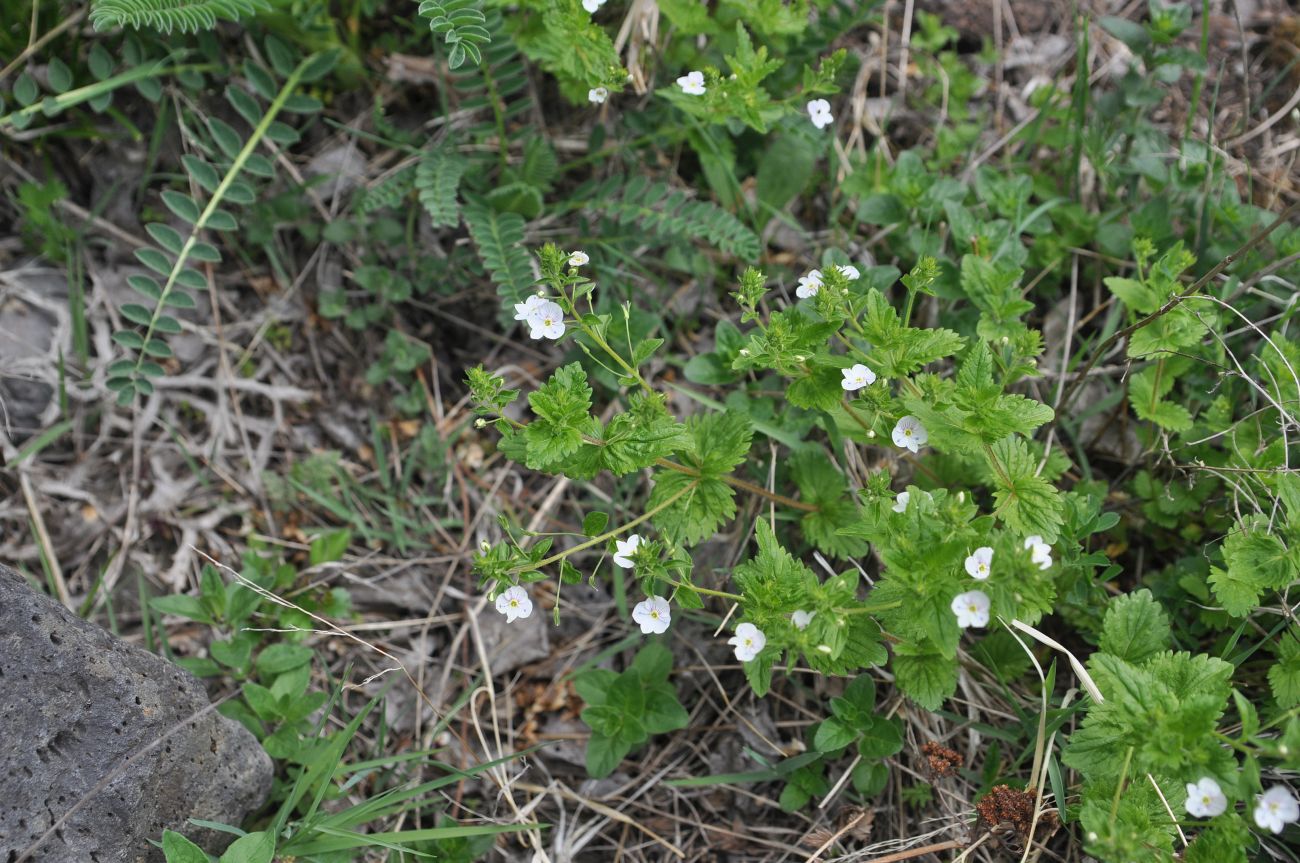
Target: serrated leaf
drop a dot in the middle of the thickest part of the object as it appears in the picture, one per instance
(1136, 627)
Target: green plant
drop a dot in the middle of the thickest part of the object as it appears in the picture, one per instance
(626, 709)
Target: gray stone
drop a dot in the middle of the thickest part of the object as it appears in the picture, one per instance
(76, 705)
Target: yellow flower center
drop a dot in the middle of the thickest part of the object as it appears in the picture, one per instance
(654, 615)
(973, 608)
(907, 432)
(514, 603)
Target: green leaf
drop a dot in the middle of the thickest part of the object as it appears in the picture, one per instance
(604, 754)
(26, 90)
(178, 849)
(928, 678)
(282, 657)
(182, 606)
(59, 75)
(1284, 673)
(563, 409)
(595, 522)
(833, 735)
(182, 205)
(253, 848)
(1256, 561)
(1026, 503)
(718, 443)
(1135, 627)
(881, 739)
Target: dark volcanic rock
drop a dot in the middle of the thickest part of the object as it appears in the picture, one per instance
(76, 704)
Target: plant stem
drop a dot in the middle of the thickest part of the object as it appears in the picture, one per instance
(597, 540)
(737, 482)
(721, 594)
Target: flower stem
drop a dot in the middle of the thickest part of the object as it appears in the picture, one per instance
(737, 482)
(722, 594)
(604, 537)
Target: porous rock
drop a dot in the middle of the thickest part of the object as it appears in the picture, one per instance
(76, 706)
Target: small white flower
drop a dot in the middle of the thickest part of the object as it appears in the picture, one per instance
(849, 272)
(749, 641)
(692, 83)
(1040, 552)
(858, 377)
(809, 285)
(978, 563)
(900, 502)
(597, 95)
(624, 548)
(910, 433)
(1205, 799)
(971, 608)
(524, 310)
(514, 604)
(802, 618)
(819, 110)
(653, 614)
(578, 259)
(546, 320)
(592, 5)
(1276, 808)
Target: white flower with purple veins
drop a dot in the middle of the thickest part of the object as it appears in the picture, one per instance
(692, 83)
(514, 604)
(1039, 551)
(857, 377)
(524, 310)
(624, 549)
(1276, 808)
(819, 110)
(978, 563)
(597, 95)
(578, 259)
(546, 320)
(1205, 798)
(592, 5)
(809, 285)
(900, 502)
(749, 641)
(802, 618)
(910, 434)
(653, 615)
(972, 609)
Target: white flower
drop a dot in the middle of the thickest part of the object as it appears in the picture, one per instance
(820, 112)
(578, 259)
(692, 83)
(1040, 552)
(900, 502)
(971, 608)
(1276, 808)
(597, 95)
(849, 272)
(653, 614)
(749, 641)
(809, 285)
(592, 5)
(546, 319)
(624, 550)
(978, 563)
(1205, 799)
(514, 603)
(910, 433)
(524, 310)
(802, 618)
(858, 377)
